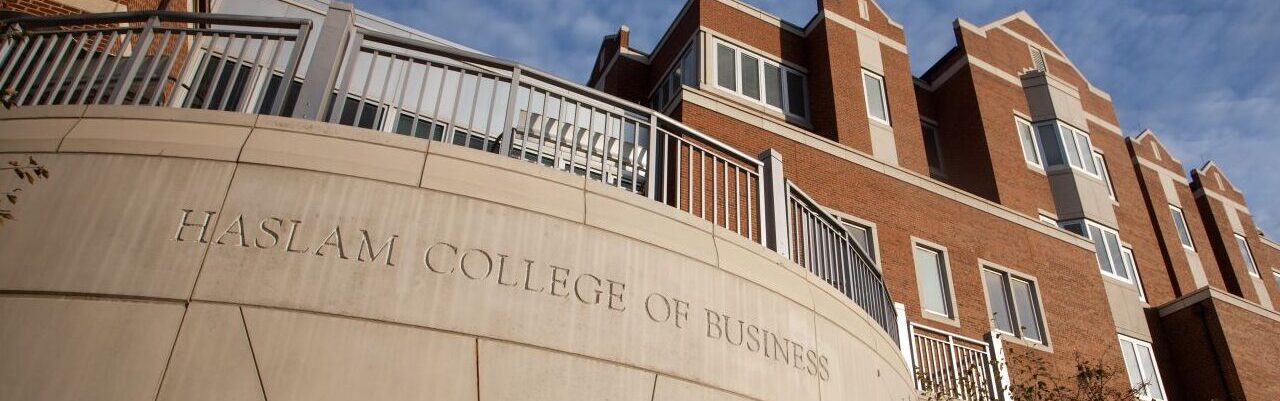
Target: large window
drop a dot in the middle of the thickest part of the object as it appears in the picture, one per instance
(1132, 266)
(1140, 363)
(934, 282)
(683, 72)
(1180, 223)
(1014, 304)
(864, 235)
(761, 80)
(1248, 256)
(1030, 145)
(877, 102)
(1065, 145)
(1106, 243)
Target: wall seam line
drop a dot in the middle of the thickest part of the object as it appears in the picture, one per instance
(172, 350)
(253, 354)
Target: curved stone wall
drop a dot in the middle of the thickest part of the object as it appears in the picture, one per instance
(207, 255)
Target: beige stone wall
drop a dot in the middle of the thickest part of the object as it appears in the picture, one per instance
(339, 263)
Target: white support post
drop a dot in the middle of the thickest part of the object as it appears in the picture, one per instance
(999, 368)
(326, 59)
(774, 213)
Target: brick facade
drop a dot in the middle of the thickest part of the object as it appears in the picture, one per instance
(973, 95)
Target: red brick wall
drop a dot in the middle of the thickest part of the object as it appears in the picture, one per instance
(1223, 352)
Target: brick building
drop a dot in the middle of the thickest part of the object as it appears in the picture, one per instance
(1001, 166)
(1002, 204)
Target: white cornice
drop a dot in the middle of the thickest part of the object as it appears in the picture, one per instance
(1056, 53)
(1206, 293)
(1175, 176)
(847, 23)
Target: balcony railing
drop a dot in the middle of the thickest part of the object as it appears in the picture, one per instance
(368, 79)
(954, 367)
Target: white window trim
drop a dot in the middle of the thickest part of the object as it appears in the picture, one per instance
(737, 67)
(1008, 275)
(1251, 264)
(1100, 161)
(1126, 251)
(866, 98)
(1108, 230)
(1191, 246)
(1035, 142)
(1063, 129)
(1154, 364)
(688, 49)
(944, 257)
(873, 235)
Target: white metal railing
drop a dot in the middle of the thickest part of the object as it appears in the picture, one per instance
(398, 85)
(952, 365)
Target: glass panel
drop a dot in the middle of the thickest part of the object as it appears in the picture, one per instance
(689, 68)
(796, 94)
(1113, 249)
(1248, 256)
(726, 77)
(1052, 145)
(750, 76)
(862, 237)
(1131, 366)
(1086, 153)
(1028, 143)
(1131, 267)
(931, 147)
(1106, 176)
(931, 272)
(874, 88)
(773, 85)
(1277, 277)
(1069, 145)
(1028, 314)
(1100, 247)
(1181, 224)
(997, 300)
(1149, 372)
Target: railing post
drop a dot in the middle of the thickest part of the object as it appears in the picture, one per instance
(1001, 386)
(322, 70)
(131, 70)
(904, 338)
(774, 211)
(508, 124)
(651, 183)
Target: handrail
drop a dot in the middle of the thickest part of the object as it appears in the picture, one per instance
(430, 91)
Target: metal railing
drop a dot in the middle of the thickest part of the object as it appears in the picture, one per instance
(398, 85)
(952, 365)
(150, 58)
(819, 242)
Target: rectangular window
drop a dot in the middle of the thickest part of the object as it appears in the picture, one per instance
(1063, 144)
(1014, 303)
(1106, 243)
(683, 72)
(1132, 266)
(1248, 256)
(1106, 175)
(726, 67)
(935, 288)
(762, 80)
(864, 236)
(932, 148)
(1030, 146)
(1180, 224)
(877, 103)
(1140, 363)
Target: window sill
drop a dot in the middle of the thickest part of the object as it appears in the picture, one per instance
(1003, 336)
(940, 318)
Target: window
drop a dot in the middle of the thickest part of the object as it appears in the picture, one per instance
(932, 149)
(761, 80)
(683, 72)
(1248, 256)
(1063, 144)
(864, 236)
(1180, 224)
(1105, 175)
(932, 278)
(1106, 242)
(1014, 304)
(1030, 145)
(1276, 275)
(1132, 266)
(877, 103)
(1140, 363)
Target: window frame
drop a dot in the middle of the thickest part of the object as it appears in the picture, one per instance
(952, 315)
(1131, 263)
(689, 50)
(1037, 304)
(1036, 148)
(1155, 366)
(1100, 161)
(1250, 264)
(941, 169)
(761, 61)
(1182, 229)
(1061, 131)
(873, 240)
(1103, 230)
(884, 97)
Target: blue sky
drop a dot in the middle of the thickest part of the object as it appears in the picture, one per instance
(1203, 74)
